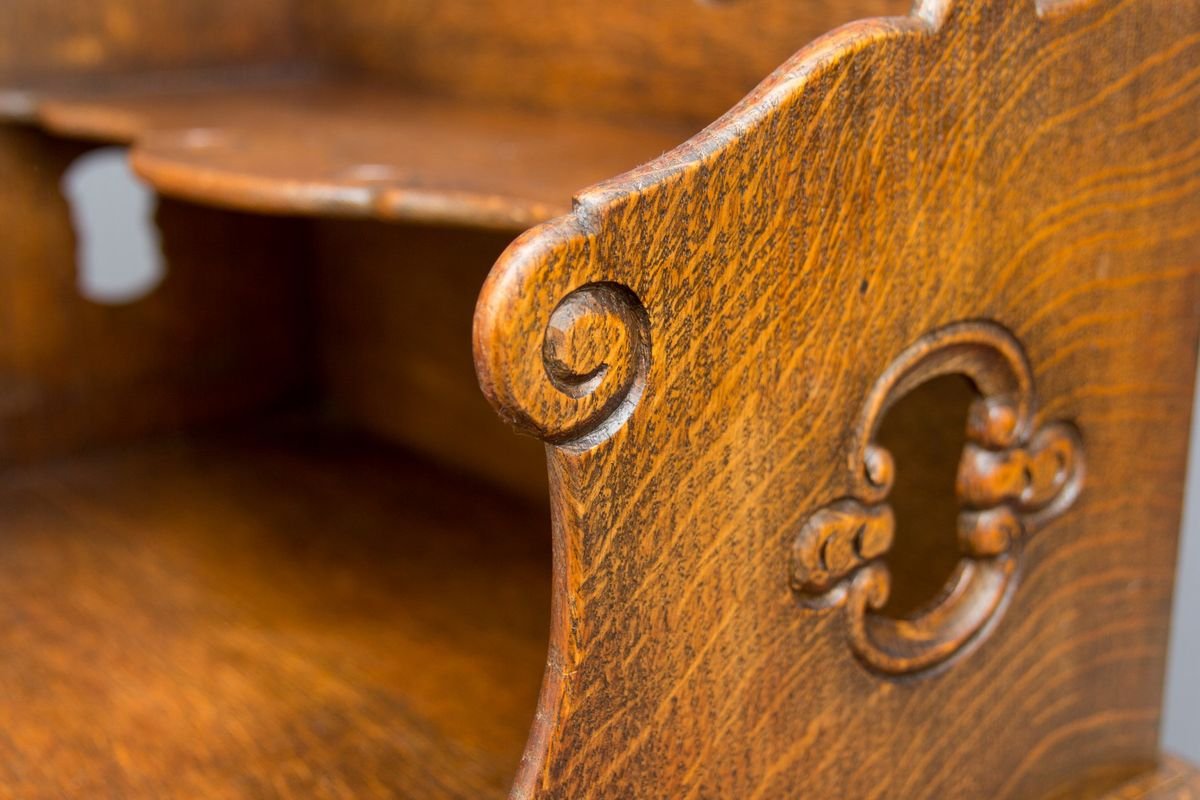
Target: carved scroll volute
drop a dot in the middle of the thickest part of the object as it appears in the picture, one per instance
(1010, 483)
(562, 352)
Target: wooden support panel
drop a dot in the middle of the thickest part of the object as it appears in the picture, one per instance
(713, 346)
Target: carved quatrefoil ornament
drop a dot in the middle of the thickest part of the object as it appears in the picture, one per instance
(1012, 480)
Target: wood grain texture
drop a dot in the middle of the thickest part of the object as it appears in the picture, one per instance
(365, 151)
(1013, 479)
(428, 119)
(595, 58)
(383, 154)
(698, 338)
(287, 612)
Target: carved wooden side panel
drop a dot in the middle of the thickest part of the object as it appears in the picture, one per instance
(1012, 481)
(1000, 188)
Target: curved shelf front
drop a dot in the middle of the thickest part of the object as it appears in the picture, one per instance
(333, 147)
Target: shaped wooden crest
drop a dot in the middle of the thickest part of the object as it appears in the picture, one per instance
(707, 342)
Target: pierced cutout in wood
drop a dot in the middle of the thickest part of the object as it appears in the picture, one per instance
(1012, 480)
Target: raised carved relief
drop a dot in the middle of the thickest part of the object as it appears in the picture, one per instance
(836, 541)
(596, 349)
(590, 372)
(1012, 480)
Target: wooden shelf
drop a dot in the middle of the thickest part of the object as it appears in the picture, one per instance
(325, 146)
(287, 614)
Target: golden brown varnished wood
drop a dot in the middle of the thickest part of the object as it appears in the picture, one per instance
(697, 342)
(592, 58)
(382, 154)
(365, 151)
(287, 612)
(752, 593)
(1013, 479)
(488, 114)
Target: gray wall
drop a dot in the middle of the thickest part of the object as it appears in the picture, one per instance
(1181, 728)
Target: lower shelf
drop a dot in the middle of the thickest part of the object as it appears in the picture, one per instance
(294, 614)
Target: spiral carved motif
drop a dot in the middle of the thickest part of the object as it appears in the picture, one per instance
(596, 353)
(569, 372)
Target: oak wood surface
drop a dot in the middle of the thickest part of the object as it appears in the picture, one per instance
(593, 58)
(708, 346)
(280, 612)
(366, 152)
(444, 140)
(701, 343)
(337, 147)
